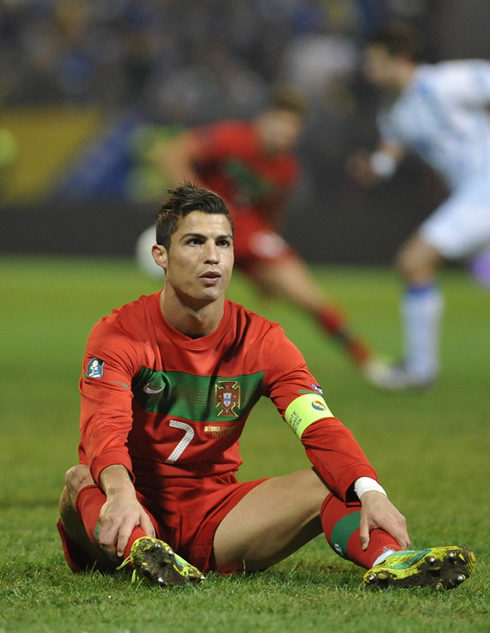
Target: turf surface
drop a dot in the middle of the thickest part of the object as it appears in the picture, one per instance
(430, 449)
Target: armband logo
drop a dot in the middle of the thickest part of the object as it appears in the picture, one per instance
(227, 398)
(319, 405)
(95, 368)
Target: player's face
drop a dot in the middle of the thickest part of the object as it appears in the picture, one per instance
(199, 262)
(380, 67)
(280, 130)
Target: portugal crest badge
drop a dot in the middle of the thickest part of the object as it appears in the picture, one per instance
(227, 393)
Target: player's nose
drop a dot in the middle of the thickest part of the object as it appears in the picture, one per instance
(211, 252)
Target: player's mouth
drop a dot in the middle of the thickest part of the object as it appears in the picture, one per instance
(211, 277)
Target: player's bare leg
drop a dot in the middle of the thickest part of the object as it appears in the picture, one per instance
(282, 514)
(271, 522)
(292, 280)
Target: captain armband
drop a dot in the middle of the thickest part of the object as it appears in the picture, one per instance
(382, 163)
(305, 410)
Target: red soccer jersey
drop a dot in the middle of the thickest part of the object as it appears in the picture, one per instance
(232, 162)
(163, 404)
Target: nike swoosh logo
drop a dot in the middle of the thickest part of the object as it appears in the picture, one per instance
(147, 389)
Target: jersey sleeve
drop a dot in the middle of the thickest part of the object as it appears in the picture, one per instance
(329, 444)
(466, 82)
(106, 399)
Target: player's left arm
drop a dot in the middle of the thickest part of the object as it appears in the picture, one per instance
(329, 444)
(331, 447)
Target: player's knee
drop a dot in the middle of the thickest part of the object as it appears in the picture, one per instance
(417, 261)
(76, 478)
(402, 263)
(409, 266)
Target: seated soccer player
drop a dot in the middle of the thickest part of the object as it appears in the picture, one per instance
(167, 385)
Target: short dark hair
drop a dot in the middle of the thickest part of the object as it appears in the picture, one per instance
(181, 201)
(399, 40)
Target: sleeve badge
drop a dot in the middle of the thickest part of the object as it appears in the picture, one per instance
(95, 368)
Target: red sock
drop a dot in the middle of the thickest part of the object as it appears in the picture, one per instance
(333, 321)
(341, 526)
(89, 501)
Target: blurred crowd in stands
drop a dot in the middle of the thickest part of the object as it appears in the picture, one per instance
(184, 60)
(188, 62)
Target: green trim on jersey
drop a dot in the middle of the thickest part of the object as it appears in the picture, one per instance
(305, 410)
(200, 398)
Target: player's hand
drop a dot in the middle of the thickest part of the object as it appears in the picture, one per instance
(118, 517)
(377, 511)
(360, 169)
(121, 513)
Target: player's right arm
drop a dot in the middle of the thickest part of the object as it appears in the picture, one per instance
(111, 360)
(121, 513)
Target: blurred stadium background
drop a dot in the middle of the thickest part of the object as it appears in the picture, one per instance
(86, 86)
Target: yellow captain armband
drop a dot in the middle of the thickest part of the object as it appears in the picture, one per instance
(305, 410)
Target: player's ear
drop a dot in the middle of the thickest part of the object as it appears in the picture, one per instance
(159, 253)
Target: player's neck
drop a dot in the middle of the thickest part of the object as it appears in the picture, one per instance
(195, 321)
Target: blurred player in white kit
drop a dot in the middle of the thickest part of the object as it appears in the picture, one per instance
(439, 111)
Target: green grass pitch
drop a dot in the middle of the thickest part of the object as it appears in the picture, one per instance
(431, 451)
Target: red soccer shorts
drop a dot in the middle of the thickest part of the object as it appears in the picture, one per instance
(185, 515)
